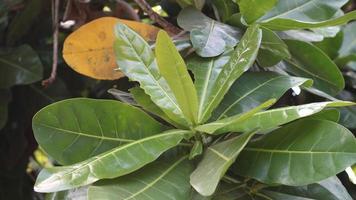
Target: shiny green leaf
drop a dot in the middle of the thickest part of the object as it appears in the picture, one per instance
(310, 62)
(328, 114)
(159, 180)
(117, 162)
(347, 52)
(74, 130)
(174, 70)
(254, 88)
(253, 10)
(19, 65)
(331, 45)
(216, 161)
(224, 9)
(136, 60)
(209, 37)
(196, 150)
(299, 153)
(275, 117)
(73, 194)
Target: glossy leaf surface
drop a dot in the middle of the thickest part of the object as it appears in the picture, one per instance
(252, 89)
(117, 162)
(275, 117)
(297, 154)
(173, 69)
(209, 37)
(74, 130)
(253, 10)
(225, 9)
(216, 161)
(161, 179)
(19, 65)
(136, 59)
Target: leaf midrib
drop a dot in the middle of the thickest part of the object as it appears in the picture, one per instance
(18, 67)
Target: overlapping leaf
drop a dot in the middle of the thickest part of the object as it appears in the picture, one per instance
(253, 10)
(117, 162)
(300, 153)
(74, 130)
(225, 9)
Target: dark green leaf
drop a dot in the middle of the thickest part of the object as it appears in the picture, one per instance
(347, 52)
(196, 150)
(20, 65)
(159, 180)
(331, 46)
(122, 96)
(329, 114)
(199, 4)
(209, 37)
(253, 10)
(297, 154)
(224, 8)
(5, 97)
(216, 161)
(137, 61)
(74, 130)
(117, 162)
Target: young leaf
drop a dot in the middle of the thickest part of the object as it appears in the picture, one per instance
(89, 51)
(273, 118)
(160, 180)
(216, 161)
(196, 150)
(111, 164)
(297, 154)
(174, 70)
(253, 10)
(241, 59)
(310, 62)
(135, 58)
(253, 89)
(74, 130)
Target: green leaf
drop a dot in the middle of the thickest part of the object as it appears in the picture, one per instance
(174, 70)
(20, 65)
(122, 96)
(311, 62)
(329, 114)
(224, 9)
(216, 161)
(209, 37)
(159, 180)
(328, 189)
(145, 101)
(253, 10)
(117, 162)
(297, 154)
(331, 46)
(198, 4)
(272, 49)
(241, 59)
(217, 126)
(196, 150)
(136, 60)
(5, 98)
(226, 191)
(73, 194)
(348, 117)
(273, 118)
(74, 130)
(303, 14)
(347, 52)
(254, 88)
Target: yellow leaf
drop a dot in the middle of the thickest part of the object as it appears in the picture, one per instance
(89, 50)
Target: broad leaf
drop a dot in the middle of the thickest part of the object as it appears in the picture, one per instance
(310, 62)
(331, 46)
(327, 114)
(19, 65)
(216, 161)
(224, 9)
(159, 180)
(117, 162)
(215, 127)
(73, 194)
(5, 98)
(174, 70)
(241, 59)
(254, 88)
(209, 37)
(253, 10)
(275, 117)
(347, 51)
(272, 49)
(297, 154)
(137, 61)
(74, 130)
(328, 189)
(89, 50)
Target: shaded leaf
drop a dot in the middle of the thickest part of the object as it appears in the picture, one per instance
(331, 45)
(196, 150)
(216, 161)
(117, 162)
(137, 61)
(199, 4)
(159, 180)
(122, 96)
(224, 9)
(5, 98)
(172, 67)
(89, 49)
(347, 52)
(73, 130)
(328, 114)
(293, 156)
(209, 37)
(253, 10)
(19, 65)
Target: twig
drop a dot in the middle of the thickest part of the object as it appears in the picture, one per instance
(50, 80)
(157, 18)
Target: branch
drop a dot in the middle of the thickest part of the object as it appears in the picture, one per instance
(157, 18)
(50, 80)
